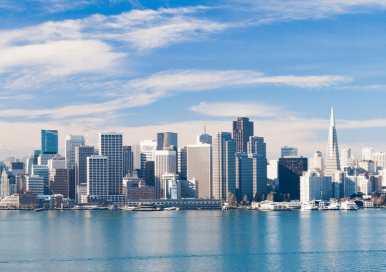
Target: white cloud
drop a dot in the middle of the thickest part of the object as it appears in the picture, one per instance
(140, 92)
(308, 135)
(273, 10)
(236, 109)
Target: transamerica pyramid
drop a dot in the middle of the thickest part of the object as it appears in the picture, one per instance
(332, 162)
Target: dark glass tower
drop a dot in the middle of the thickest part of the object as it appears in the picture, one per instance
(242, 130)
(290, 170)
(49, 141)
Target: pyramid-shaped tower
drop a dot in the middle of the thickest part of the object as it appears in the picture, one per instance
(332, 161)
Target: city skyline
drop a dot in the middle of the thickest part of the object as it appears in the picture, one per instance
(141, 67)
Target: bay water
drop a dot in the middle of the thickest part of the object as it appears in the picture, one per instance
(193, 240)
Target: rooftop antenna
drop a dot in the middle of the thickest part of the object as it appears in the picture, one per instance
(86, 130)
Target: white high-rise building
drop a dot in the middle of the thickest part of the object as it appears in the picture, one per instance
(311, 186)
(317, 162)
(147, 149)
(380, 159)
(111, 147)
(347, 158)
(289, 151)
(332, 162)
(171, 186)
(71, 142)
(199, 167)
(57, 162)
(223, 166)
(367, 165)
(165, 162)
(98, 176)
(367, 153)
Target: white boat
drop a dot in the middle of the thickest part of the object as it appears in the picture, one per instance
(334, 206)
(307, 207)
(172, 209)
(127, 208)
(348, 205)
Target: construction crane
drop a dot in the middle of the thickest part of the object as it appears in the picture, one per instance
(13, 159)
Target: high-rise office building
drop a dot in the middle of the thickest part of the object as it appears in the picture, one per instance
(289, 151)
(71, 142)
(8, 184)
(57, 162)
(127, 160)
(36, 156)
(165, 162)
(58, 181)
(42, 171)
(98, 176)
(314, 186)
(251, 175)
(147, 149)
(332, 162)
(242, 130)
(204, 139)
(199, 168)
(136, 149)
(17, 168)
(380, 160)
(149, 173)
(35, 184)
(317, 162)
(257, 146)
(367, 153)
(81, 154)
(182, 162)
(223, 166)
(290, 170)
(166, 140)
(49, 141)
(111, 147)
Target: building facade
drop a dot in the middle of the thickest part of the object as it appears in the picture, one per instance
(165, 162)
(290, 171)
(49, 141)
(199, 168)
(223, 166)
(242, 130)
(71, 142)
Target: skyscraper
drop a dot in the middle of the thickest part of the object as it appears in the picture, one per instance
(167, 139)
(147, 149)
(199, 167)
(165, 162)
(367, 153)
(289, 151)
(49, 141)
(332, 162)
(182, 162)
(223, 166)
(111, 147)
(71, 142)
(290, 170)
(257, 146)
(242, 130)
(251, 175)
(127, 160)
(98, 176)
(81, 154)
(204, 139)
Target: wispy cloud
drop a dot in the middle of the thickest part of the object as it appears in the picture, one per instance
(275, 10)
(140, 92)
(236, 109)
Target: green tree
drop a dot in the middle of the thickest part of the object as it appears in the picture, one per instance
(245, 200)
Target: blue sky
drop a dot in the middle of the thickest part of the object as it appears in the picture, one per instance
(140, 67)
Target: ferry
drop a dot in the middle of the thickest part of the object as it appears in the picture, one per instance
(349, 205)
(334, 206)
(172, 209)
(307, 207)
(127, 208)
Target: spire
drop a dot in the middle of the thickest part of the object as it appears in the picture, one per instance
(332, 161)
(332, 120)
